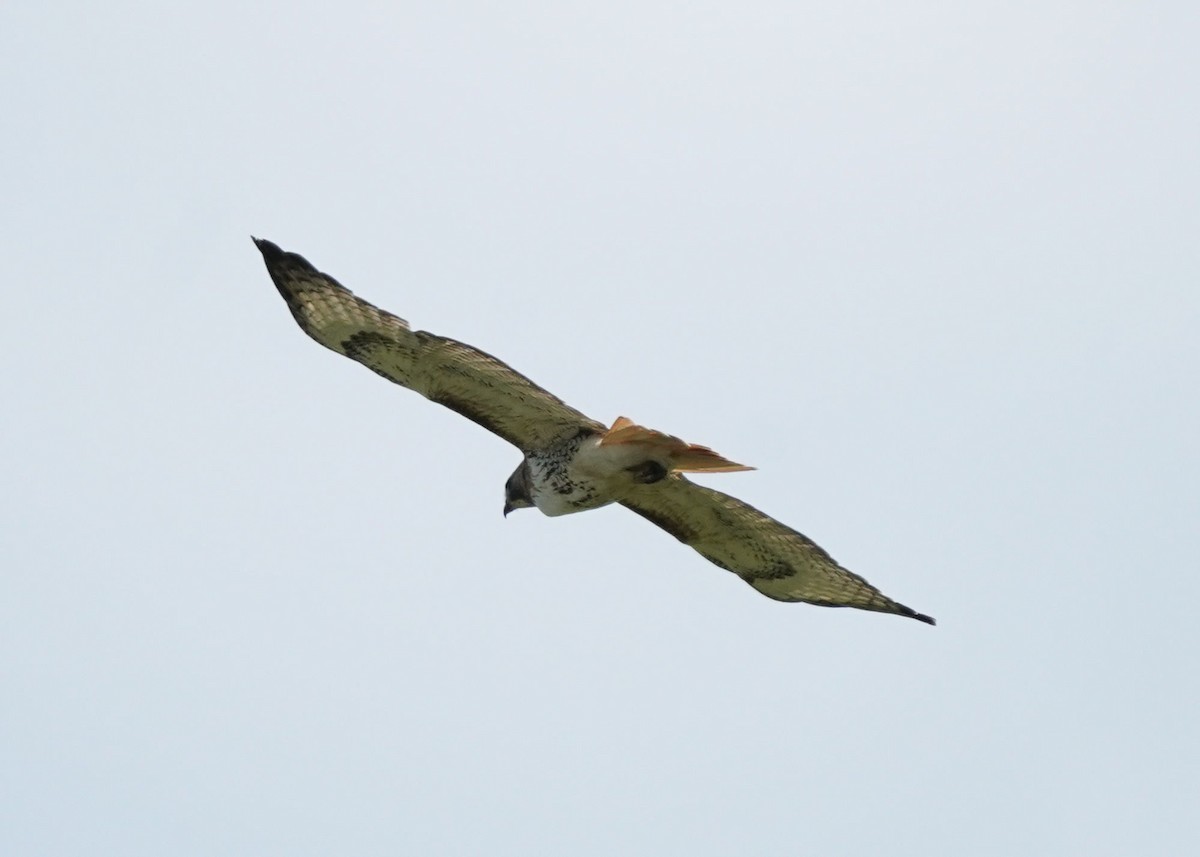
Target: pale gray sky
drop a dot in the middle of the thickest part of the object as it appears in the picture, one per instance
(933, 268)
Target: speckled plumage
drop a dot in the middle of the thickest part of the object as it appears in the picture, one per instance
(567, 467)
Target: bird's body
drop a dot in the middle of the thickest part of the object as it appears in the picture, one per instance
(571, 476)
(571, 462)
(589, 469)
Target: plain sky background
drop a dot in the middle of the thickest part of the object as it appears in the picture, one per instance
(932, 267)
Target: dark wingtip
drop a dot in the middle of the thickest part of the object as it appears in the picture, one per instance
(921, 617)
(269, 250)
(279, 259)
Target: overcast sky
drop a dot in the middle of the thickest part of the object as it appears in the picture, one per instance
(932, 267)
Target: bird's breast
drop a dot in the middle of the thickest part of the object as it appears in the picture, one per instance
(571, 477)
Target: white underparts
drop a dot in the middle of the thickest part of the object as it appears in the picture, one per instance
(581, 474)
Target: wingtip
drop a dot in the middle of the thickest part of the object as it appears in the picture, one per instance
(921, 617)
(269, 249)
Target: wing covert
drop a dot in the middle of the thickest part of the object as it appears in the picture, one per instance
(465, 379)
(772, 557)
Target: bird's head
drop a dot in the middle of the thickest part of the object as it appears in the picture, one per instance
(516, 490)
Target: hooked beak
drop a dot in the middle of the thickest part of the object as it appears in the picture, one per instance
(508, 507)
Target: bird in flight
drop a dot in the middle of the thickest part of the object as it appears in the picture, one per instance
(571, 462)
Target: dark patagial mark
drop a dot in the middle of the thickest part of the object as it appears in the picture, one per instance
(364, 342)
(365, 345)
(774, 571)
(648, 472)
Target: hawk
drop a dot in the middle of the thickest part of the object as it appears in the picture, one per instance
(571, 462)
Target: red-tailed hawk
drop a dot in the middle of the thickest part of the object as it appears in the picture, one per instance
(573, 463)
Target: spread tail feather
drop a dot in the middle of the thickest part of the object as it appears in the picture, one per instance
(680, 454)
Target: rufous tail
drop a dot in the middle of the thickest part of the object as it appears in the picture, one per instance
(683, 456)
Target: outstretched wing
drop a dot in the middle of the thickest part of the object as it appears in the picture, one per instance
(464, 379)
(776, 560)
